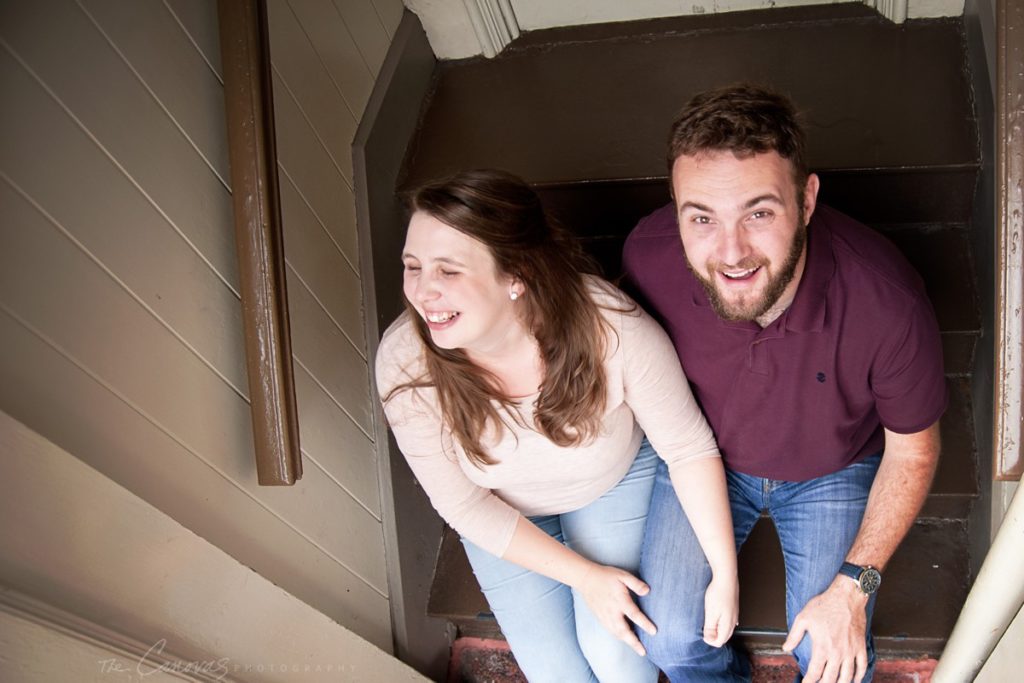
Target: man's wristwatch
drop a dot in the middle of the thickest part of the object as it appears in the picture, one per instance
(867, 577)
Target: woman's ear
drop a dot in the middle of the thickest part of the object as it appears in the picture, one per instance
(516, 289)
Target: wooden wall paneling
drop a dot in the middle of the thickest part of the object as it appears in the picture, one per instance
(156, 47)
(320, 347)
(49, 157)
(49, 283)
(390, 13)
(41, 388)
(128, 564)
(198, 18)
(337, 48)
(335, 443)
(306, 81)
(317, 260)
(366, 28)
(306, 163)
(125, 119)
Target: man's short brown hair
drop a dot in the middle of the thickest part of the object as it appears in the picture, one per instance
(743, 119)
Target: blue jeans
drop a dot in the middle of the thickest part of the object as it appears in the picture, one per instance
(552, 633)
(816, 520)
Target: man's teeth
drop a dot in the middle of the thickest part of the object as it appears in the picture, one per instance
(740, 275)
(441, 317)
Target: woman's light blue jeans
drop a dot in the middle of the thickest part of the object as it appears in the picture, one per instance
(553, 634)
(816, 520)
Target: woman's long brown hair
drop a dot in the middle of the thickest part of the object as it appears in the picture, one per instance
(503, 213)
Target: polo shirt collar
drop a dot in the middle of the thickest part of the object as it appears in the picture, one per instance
(807, 312)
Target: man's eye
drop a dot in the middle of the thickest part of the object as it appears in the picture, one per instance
(761, 215)
(701, 220)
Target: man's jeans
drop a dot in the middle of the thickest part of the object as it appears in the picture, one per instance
(816, 520)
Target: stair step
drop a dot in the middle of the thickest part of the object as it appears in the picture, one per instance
(480, 660)
(956, 480)
(932, 561)
(600, 106)
(924, 198)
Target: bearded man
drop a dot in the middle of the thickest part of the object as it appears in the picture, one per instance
(815, 354)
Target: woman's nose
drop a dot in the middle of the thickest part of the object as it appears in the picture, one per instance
(426, 288)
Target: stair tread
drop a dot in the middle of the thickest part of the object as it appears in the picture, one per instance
(932, 561)
(579, 110)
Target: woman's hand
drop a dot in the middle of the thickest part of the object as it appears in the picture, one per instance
(606, 591)
(721, 609)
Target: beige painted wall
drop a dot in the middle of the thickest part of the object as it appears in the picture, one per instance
(173, 604)
(120, 322)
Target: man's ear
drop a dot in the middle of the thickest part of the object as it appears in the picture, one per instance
(810, 195)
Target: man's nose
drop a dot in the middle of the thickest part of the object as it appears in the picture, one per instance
(732, 246)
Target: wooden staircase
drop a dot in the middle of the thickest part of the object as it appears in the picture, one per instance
(583, 113)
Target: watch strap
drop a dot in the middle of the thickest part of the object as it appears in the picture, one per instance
(867, 577)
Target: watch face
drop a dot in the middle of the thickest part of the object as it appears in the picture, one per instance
(870, 580)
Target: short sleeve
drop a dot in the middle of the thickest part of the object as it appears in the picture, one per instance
(907, 379)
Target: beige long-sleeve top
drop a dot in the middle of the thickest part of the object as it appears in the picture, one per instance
(647, 393)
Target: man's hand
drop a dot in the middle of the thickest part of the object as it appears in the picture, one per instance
(721, 610)
(835, 621)
(606, 591)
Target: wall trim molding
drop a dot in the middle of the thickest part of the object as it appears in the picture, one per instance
(1009, 337)
(893, 10)
(494, 23)
(143, 659)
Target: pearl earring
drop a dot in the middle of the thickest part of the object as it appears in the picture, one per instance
(512, 294)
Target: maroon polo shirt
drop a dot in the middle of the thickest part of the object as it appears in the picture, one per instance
(856, 351)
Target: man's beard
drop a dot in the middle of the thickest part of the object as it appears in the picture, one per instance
(772, 291)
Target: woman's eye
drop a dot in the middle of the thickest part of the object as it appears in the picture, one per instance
(449, 273)
(412, 269)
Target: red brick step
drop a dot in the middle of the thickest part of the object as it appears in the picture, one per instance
(485, 660)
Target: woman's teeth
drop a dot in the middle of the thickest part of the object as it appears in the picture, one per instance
(441, 317)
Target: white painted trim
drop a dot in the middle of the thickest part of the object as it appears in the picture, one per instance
(494, 23)
(893, 10)
(141, 659)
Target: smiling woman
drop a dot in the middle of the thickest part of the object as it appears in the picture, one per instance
(519, 390)
(448, 274)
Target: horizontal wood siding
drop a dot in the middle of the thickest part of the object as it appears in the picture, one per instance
(158, 594)
(120, 322)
